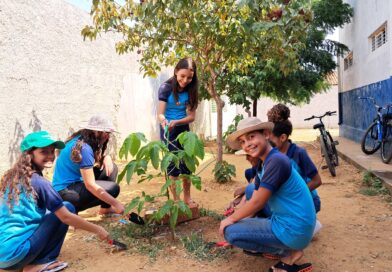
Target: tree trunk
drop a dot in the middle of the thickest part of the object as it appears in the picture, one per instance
(255, 107)
(219, 142)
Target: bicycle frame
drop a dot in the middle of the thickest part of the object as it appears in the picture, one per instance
(379, 117)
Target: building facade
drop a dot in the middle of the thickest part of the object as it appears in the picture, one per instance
(366, 70)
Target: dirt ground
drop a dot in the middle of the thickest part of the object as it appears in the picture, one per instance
(356, 233)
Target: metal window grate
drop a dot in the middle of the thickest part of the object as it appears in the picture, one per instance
(379, 37)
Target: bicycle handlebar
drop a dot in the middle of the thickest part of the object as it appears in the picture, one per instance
(329, 113)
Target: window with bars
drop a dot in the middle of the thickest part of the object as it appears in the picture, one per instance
(348, 61)
(379, 37)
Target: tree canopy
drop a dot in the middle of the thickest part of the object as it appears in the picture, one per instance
(223, 36)
(316, 60)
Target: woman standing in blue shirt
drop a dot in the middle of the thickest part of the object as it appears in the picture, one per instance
(289, 230)
(178, 99)
(33, 217)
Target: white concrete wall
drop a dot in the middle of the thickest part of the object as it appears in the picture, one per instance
(319, 104)
(51, 79)
(366, 68)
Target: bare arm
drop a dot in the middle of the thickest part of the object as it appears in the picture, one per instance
(71, 219)
(98, 191)
(161, 114)
(315, 182)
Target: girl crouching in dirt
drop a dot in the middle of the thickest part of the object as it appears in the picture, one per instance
(33, 217)
(83, 174)
(289, 230)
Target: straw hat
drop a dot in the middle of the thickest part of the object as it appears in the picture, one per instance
(245, 126)
(99, 122)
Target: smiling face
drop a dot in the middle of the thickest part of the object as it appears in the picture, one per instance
(184, 77)
(44, 157)
(254, 143)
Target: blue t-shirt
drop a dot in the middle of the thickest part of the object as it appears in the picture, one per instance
(174, 110)
(304, 166)
(293, 214)
(66, 171)
(17, 226)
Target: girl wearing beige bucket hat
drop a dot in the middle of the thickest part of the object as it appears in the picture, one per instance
(290, 228)
(85, 176)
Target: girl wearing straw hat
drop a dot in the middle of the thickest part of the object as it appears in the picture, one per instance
(290, 228)
(83, 175)
(33, 217)
(178, 99)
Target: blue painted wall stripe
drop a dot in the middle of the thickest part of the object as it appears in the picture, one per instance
(355, 114)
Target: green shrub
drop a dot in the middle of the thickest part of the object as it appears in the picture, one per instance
(223, 171)
(373, 185)
(158, 155)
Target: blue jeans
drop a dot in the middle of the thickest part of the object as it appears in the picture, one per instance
(264, 212)
(255, 234)
(46, 241)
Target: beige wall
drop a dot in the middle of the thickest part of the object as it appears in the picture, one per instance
(319, 104)
(51, 79)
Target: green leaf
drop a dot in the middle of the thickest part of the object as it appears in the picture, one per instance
(188, 141)
(166, 160)
(130, 169)
(140, 206)
(184, 208)
(149, 198)
(166, 186)
(178, 187)
(173, 216)
(165, 209)
(196, 181)
(190, 163)
(132, 205)
(154, 155)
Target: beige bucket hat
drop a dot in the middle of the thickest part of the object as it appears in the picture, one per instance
(99, 122)
(245, 126)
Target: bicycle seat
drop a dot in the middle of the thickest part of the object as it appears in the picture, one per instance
(319, 125)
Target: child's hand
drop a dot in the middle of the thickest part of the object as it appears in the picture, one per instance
(239, 191)
(102, 234)
(118, 208)
(225, 223)
(172, 124)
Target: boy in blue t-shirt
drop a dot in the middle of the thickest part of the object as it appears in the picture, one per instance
(300, 159)
(289, 230)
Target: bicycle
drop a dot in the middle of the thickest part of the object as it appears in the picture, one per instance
(327, 144)
(379, 133)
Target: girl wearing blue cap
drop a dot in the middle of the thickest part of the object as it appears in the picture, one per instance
(178, 99)
(83, 174)
(33, 217)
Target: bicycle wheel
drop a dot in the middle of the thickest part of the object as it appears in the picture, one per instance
(335, 157)
(370, 143)
(386, 144)
(326, 151)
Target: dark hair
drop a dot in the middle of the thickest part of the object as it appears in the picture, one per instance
(282, 127)
(192, 87)
(279, 115)
(92, 139)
